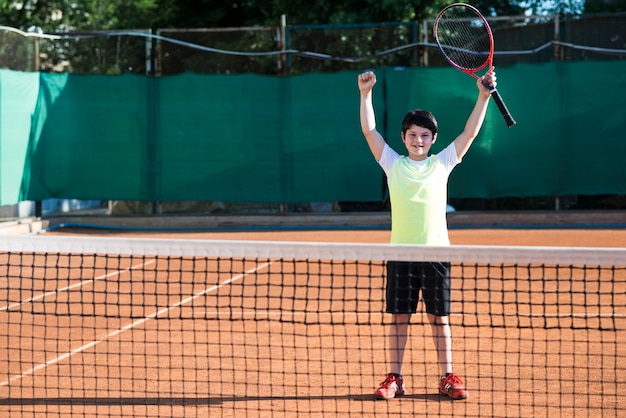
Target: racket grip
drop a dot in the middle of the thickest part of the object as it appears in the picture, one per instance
(503, 109)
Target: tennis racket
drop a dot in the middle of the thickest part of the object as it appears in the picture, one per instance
(466, 42)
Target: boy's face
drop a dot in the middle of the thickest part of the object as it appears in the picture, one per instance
(418, 141)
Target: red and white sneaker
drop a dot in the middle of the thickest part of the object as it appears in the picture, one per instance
(391, 387)
(452, 385)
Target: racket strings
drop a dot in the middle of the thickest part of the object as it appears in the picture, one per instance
(464, 38)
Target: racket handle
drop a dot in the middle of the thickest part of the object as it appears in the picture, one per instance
(503, 109)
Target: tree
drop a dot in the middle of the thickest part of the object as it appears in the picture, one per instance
(605, 6)
(68, 15)
(72, 15)
(499, 7)
(560, 7)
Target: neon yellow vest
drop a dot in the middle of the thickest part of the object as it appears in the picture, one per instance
(418, 195)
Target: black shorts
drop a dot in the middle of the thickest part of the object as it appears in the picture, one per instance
(406, 279)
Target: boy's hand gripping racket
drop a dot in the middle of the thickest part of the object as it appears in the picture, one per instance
(466, 42)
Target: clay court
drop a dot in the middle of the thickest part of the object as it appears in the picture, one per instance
(584, 359)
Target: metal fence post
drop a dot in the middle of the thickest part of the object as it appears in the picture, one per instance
(282, 44)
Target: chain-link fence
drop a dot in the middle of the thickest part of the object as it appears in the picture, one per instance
(18, 52)
(217, 51)
(289, 50)
(327, 48)
(81, 53)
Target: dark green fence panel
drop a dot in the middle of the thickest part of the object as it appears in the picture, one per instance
(93, 142)
(219, 138)
(255, 138)
(569, 137)
(18, 98)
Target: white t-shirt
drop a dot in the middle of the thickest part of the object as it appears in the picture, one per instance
(418, 191)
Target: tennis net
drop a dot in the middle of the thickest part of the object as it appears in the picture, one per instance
(187, 328)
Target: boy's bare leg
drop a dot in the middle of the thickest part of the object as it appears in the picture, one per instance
(450, 384)
(393, 385)
(442, 338)
(398, 335)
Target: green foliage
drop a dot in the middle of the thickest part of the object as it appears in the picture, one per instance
(499, 7)
(605, 6)
(72, 15)
(560, 7)
(68, 15)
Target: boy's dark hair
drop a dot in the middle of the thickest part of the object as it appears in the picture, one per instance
(422, 118)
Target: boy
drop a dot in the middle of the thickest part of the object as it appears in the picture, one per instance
(418, 193)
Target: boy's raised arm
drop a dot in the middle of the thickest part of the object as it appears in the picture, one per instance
(368, 120)
(463, 142)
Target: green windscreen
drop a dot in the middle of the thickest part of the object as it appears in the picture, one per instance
(269, 139)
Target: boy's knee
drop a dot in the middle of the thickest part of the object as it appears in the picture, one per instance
(439, 320)
(401, 319)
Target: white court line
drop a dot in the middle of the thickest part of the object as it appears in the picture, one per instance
(344, 314)
(78, 284)
(129, 326)
(575, 315)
